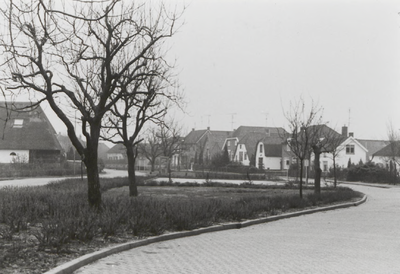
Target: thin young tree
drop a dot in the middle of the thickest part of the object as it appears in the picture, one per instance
(150, 148)
(335, 149)
(322, 139)
(302, 135)
(169, 135)
(394, 145)
(75, 55)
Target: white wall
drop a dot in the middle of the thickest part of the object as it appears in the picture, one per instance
(343, 158)
(21, 156)
(269, 162)
(115, 156)
(272, 162)
(241, 148)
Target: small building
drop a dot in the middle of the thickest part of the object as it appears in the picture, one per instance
(200, 146)
(26, 135)
(390, 154)
(262, 147)
(116, 158)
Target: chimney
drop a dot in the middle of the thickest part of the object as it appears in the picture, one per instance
(344, 131)
(351, 134)
(208, 128)
(192, 129)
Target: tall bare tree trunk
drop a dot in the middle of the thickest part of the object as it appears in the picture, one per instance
(169, 170)
(133, 191)
(334, 172)
(318, 171)
(301, 178)
(93, 179)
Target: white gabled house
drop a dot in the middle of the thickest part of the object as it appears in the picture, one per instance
(390, 154)
(269, 154)
(243, 146)
(353, 150)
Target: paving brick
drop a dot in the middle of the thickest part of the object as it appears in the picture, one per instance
(363, 239)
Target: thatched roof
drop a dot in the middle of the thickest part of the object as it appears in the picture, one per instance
(29, 129)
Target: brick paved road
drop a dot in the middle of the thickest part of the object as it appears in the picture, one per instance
(363, 239)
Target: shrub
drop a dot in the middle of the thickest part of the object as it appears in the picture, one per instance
(369, 172)
(58, 213)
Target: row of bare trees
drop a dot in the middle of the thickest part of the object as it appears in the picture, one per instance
(101, 59)
(309, 136)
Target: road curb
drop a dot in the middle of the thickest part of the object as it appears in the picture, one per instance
(71, 266)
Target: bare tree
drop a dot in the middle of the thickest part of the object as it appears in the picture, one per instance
(170, 140)
(303, 138)
(150, 148)
(334, 150)
(322, 139)
(76, 57)
(146, 100)
(394, 144)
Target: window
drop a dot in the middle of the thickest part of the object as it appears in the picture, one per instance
(240, 156)
(229, 143)
(240, 146)
(245, 156)
(261, 148)
(287, 163)
(325, 166)
(349, 149)
(18, 123)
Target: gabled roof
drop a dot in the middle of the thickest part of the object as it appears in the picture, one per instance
(118, 148)
(194, 136)
(389, 150)
(321, 134)
(102, 150)
(216, 139)
(34, 132)
(242, 131)
(373, 146)
(273, 150)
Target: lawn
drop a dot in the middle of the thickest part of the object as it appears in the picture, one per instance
(41, 227)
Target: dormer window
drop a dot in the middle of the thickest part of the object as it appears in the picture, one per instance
(18, 123)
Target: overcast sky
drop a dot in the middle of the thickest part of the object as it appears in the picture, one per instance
(241, 62)
(252, 58)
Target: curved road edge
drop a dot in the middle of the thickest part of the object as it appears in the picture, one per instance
(71, 266)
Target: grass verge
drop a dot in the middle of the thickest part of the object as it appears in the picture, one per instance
(41, 227)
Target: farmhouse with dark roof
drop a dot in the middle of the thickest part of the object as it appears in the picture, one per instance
(26, 134)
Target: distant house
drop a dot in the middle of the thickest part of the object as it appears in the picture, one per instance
(244, 144)
(200, 146)
(272, 153)
(353, 150)
(117, 153)
(388, 154)
(26, 135)
(116, 158)
(102, 151)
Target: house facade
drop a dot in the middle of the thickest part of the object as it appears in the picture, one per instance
(351, 150)
(116, 158)
(390, 154)
(200, 146)
(262, 147)
(26, 135)
(273, 154)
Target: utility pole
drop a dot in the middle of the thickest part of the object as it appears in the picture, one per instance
(232, 119)
(266, 117)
